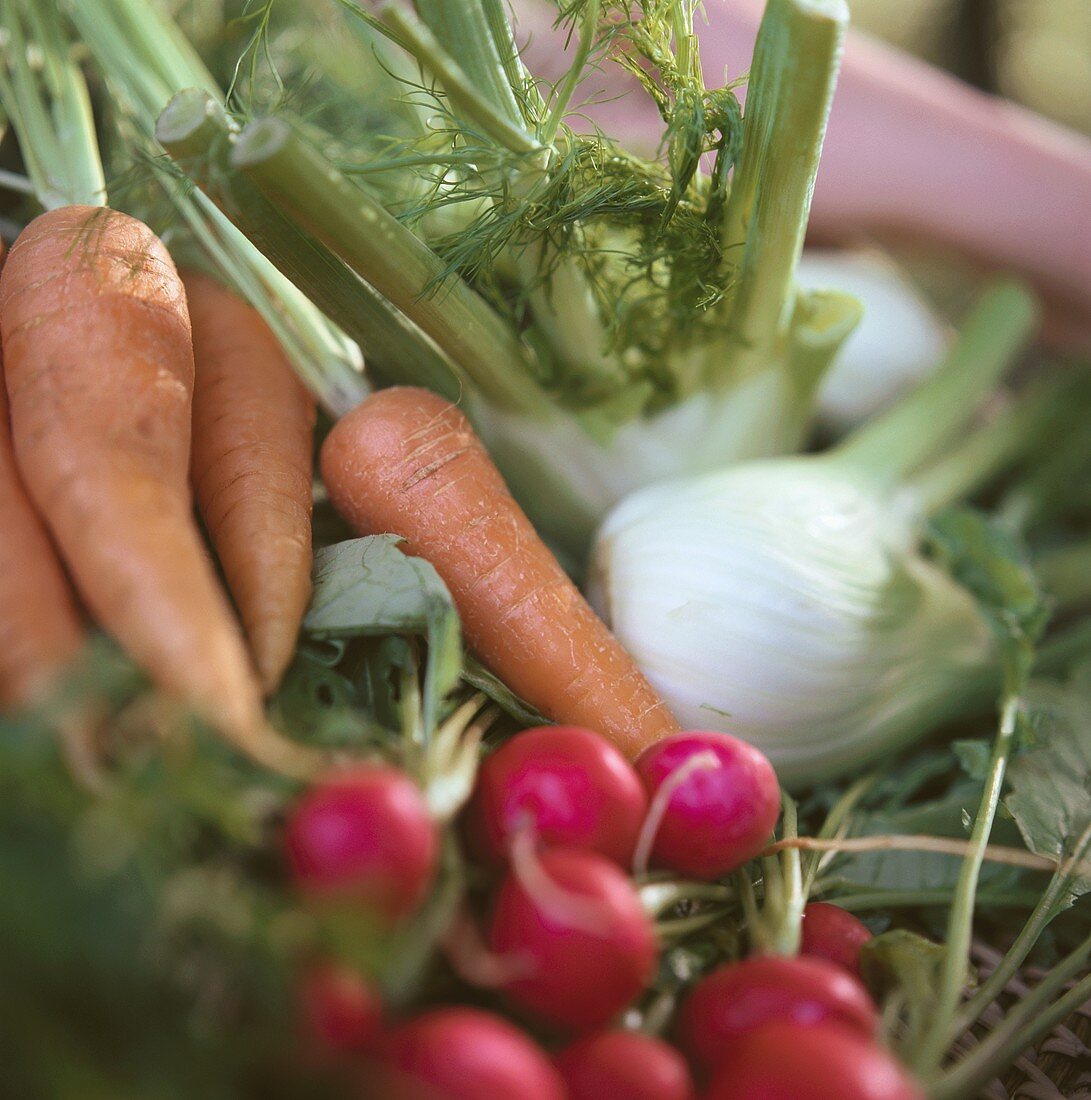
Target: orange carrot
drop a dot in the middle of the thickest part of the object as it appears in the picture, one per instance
(253, 427)
(99, 364)
(40, 629)
(408, 463)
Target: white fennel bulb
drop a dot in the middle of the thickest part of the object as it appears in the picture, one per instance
(898, 343)
(567, 480)
(787, 600)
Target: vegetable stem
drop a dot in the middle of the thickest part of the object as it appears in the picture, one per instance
(791, 86)
(195, 131)
(589, 19)
(466, 31)
(50, 109)
(298, 179)
(898, 442)
(1033, 1016)
(960, 923)
(1046, 909)
(990, 448)
(472, 100)
(144, 57)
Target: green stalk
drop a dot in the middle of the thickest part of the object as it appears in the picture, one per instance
(899, 441)
(466, 96)
(299, 180)
(991, 448)
(50, 109)
(960, 922)
(589, 21)
(788, 100)
(791, 925)
(466, 30)
(1046, 909)
(1031, 1018)
(837, 818)
(195, 131)
(519, 80)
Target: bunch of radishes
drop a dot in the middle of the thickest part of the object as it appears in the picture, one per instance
(559, 818)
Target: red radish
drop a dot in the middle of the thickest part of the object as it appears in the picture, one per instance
(741, 997)
(575, 923)
(364, 833)
(570, 787)
(714, 802)
(834, 934)
(783, 1061)
(462, 1054)
(341, 1011)
(625, 1065)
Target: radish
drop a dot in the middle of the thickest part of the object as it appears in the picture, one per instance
(575, 928)
(567, 785)
(625, 1065)
(364, 834)
(461, 1054)
(832, 933)
(714, 802)
(340, 1011)
(784, 1061)
(741, 997)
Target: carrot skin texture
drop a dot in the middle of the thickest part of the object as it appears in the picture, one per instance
(100, 374)
(407, 462)
(253, 429)
(40, 629)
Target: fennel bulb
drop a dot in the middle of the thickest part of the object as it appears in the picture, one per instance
(897, 344)
(567, 479)
(787, 600)
(784, 601)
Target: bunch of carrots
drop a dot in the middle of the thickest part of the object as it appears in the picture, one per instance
(130, 390)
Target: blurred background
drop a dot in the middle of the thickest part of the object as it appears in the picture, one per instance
(1037, 52)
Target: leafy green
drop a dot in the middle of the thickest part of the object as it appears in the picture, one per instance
(1050, 782)
(988, 561)
(368, 588)
(904, 965)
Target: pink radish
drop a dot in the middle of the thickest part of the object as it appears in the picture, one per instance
(573, 924)
(625, 1065)
(714, 802)
(340, 1010)
(741, 997)
(568, 786)
(784, 1061)
(834, 934)
(364, 834)
(461, 1054)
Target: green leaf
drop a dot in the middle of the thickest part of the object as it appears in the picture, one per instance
(907, 966)
(992, 565)
(367, 587)
(478, 676)
(944, 816)
(1050, 782)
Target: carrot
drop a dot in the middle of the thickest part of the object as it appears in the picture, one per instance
(40, 628)
(99, 365)
(253, 426)
(408, 463)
